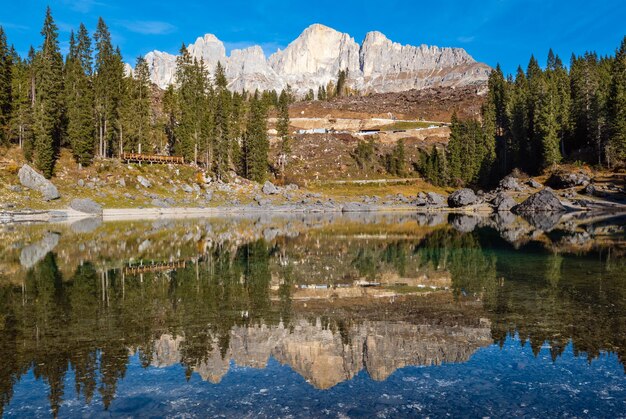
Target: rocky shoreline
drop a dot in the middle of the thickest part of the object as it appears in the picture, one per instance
(573, 192)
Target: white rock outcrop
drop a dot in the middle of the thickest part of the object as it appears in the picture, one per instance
(316, 56)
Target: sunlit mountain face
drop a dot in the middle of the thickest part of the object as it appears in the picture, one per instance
(314, 315)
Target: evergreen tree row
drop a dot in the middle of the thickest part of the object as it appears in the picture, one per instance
(90, 104)
(537, 119)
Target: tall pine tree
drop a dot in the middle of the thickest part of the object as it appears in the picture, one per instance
(617, 106)
(6, 73)
(221, 115)
(108, 88)
(79, 98)
(48, 98)
(256, 144)
(282, 128)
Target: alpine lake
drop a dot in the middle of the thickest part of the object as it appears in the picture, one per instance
(318, 315)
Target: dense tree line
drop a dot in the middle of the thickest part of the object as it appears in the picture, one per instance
(537, 119)
(91, 104)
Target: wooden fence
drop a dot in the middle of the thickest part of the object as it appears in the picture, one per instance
(151, 158)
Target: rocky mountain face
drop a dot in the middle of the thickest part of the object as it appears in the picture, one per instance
(319, 53)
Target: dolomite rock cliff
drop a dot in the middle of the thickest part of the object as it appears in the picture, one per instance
(325, 358)
(316, 56)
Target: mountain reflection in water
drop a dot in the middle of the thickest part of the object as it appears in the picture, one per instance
(87, 309)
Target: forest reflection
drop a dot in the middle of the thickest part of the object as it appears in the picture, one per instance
(329, 302)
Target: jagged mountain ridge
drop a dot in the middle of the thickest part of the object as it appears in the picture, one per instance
(316, 56)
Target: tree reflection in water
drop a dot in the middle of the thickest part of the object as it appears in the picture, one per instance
(281, 298)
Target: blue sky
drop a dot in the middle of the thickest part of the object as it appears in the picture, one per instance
(504, 31)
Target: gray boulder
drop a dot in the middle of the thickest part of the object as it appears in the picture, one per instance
(591, 190)
(462, 198)
(31, 179)
(161, 203)
(430, 199)
(510, 183)
(565, 180)
(186, 188)
(144, 182)
(355, 207)
(502, 202)
(269, 188)
(542, 201)
(262, 201)
(87, 206)
(534, 184)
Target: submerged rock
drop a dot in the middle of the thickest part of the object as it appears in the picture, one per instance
(355, 207)
(31, 179)
(87, 206)
(462, 198)
(542, 201)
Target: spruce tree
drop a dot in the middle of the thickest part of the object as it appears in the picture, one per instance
(108, 88)
(49, 104)
(236, 128)
(617, 106)
(221, 118)
(455, 151)
(564, 100)
(282, 128)
(496, 119)
(546, 119)
(79, 98)
(518, 119)
(342, 78)
(171, 116)
(6, 73)
(194, 132)
(534, 76)
(136, 113)
(21, 125)
(28, 146)
(256, 145)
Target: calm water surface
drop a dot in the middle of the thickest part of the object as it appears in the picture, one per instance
(299, 316)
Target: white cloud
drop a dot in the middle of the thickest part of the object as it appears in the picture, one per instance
(466, 39)
(83, 6)
(15, 26)
(147, 27)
